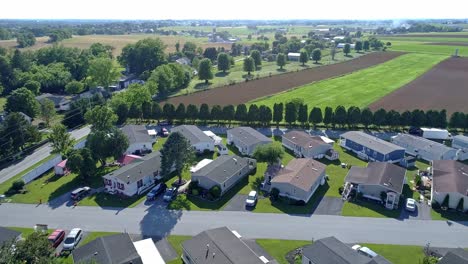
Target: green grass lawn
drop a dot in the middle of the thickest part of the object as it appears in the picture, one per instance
(426, 39)
(360, 88)
(422, 47)
(176, 243)
(368, 209)
(2, 103)
(279, 248)
(398, 254)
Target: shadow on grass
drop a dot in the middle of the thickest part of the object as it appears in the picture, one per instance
(306, 210)
(452, 215)
(349, 56)
(281, 70)
(376, 207)
(221, 74)
(202, 86)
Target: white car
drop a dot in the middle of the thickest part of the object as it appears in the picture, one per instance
(72, 239)
(410, 205)
(364, 251)
(251, 199)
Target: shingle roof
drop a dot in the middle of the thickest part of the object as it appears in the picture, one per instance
(57, 99)
(330, 250)
(192, 133)
(136, 134)
(371, 142)
(384, 174)
(219, 246)
(249, 136)
(450, 176)
(222, 168)
(455, 256)
(135, 171)
(303, 139)
(114, 249)
(301, 173)
(461, 139)
(420, 143)
(7, 235)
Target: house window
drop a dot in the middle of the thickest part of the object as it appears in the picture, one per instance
(121, 186)
(139, 183)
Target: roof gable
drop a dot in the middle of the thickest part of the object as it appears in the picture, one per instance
(450, 176)
(330, 250)
(301, 173)
(192, 133)
(421, 144)
(222, 168)
(139, 168)
(249, 136)
(136, 134)
(384, 174)
(371, 142)
(7, 234)
(455, 256)
(304, 140)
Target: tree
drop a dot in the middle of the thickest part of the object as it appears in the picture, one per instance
(379, 117)
(176, 153)
(418, 118)
(358, 46)
(74, 87)
(302, 114)
(329, 116)
(105, 144)
(75, 116)
(270, 153)
(249, 65)
(366, 117)
(146, 110)
(216, 113)
(180, 112)
(241, 113)
(60, 140)
(81, 161)
(333, 52)
(15, 132)
(168, 111)
(354, 116)
(192, 112)
(257, 57)
(405, 118)
(228, 113)
(316, 55)
(290, 114)
(177, 46)
(264, 115)
(281, 60)
(33, 86)
(253, 114)
(26, 39)
(135, 111)
(210, 53)
(315, 116)
(457, 120)
(156, 111)
(195, 62)
(102, 72)
(101, 118)
(340, 116)
(47, 112)
(366, 45)
(223, 62)
(278, 113)
(347, 49)
(303, 57)
(204, 70)
(392, 118)
(145, 55)
(122, 113)
(22, 100)
(204, 113)
(430, 260)
(35, 249)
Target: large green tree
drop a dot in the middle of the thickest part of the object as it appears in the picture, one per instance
(106, 144)
(145, 55)
(316, 55)
(315, 116)
(278, 113)
(303, 57)
(25, 39)
(358, 46)
(101, 118)
(22, 100)
(74, 87)
(176, 153)
(241, 113)
(281, 60)
(249, 65)
(34, 249)
(82, 162)
(257, 57)
(347, 49)
(16, 132)
(270, 153)
(47, 110)
(366, 45)
(223, 62)
(60, 140)
(204, 70)
(290, 114)
(102, 72)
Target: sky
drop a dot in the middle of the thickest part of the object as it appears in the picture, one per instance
(237, 9)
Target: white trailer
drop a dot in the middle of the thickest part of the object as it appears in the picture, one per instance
(435, 133)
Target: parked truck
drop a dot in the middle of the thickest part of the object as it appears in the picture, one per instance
(435, 133)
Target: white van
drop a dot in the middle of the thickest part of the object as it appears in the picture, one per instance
(222, 150)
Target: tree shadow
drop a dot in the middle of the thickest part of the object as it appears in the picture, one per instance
(452, 215)
(222, 74)
(281, 70)
(349, 56)
(377, 207)
(158, 221)
(202, 86)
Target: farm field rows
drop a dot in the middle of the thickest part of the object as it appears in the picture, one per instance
(360, 88)
(428, 47)
(443, 87)
(247, 91)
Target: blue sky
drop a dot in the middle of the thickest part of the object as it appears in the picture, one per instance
(237, 9)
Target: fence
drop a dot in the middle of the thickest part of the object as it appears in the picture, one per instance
(30, 176)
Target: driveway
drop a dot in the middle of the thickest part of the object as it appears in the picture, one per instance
(422, 212)
(328, 206)
(237, 203)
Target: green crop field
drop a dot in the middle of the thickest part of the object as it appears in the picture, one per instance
(428, 39)
(421, 47)
(360, 88)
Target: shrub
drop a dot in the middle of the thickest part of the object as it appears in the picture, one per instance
(274, 194)
(195, 192)
(17, 185)
(417, 180)
(460, 207)
(215, 191)
(427, 196)
(445, 203)
(340, 190)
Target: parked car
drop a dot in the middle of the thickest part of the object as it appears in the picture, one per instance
(364, 251)
(251, 199)
(410, 205)
(73, 238)
(56, 237)
(164, 123)
(79, 193)
(170, 194)
(159, 188)
(222, 150)
(164, 132)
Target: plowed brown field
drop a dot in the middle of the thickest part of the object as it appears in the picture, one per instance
(443, 87)
(247, 91)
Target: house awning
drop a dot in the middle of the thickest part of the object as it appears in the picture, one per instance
(62, 164)
(148, 252)
(200, 165)
(152, 132)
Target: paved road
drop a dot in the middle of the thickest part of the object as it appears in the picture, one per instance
(37, 156)
(156, 221)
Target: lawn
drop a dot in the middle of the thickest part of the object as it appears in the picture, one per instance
(421, 47)
(360, 88)
(279, 248)
(176, 243)
(368, 209)
(2, 103)
(398, 254)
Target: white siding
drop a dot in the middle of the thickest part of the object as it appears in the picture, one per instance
(453, 200)
(139, 146)
(202, 146)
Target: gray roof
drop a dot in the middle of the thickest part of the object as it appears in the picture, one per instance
(455, 256)
(371, 142)
(192, 133)
(114, 249)
(384, 174)
(421, 143)
(7, 235)
(330, 250)
(301, 173)
(135, 171)
(461, 140)
(249, 136)
(57, 99)
(219, 246)
(223, 168)
(450, 176)
(303, 139)
(136, 134)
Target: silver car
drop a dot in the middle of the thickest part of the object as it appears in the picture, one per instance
(251, 199)
(72, 239)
